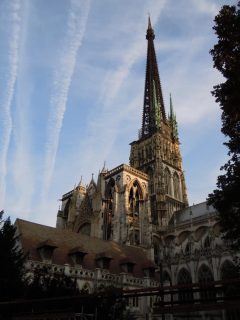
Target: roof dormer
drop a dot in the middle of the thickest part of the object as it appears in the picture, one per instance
(46, 249)
(103, 260)
(127, 265)
(77, 255)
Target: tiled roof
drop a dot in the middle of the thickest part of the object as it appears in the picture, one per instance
(31, 235)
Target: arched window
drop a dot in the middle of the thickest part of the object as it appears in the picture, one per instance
(168, 185)
(205, 277)
(176, 185)
(185, 279)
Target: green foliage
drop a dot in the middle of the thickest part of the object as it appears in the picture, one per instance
(226, 57)
(43, 283)
(12, 261)
(113, 306)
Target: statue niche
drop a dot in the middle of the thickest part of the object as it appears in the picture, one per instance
(134, 200)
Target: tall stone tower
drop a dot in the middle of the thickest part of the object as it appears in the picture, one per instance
(157, 152)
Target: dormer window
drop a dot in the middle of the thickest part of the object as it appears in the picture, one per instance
(103, 260)
(149, 271)
(46, 249)
(127, 266)
(77, 255)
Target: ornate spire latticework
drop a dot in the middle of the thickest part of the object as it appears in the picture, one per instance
(153, 105)
(173, 121)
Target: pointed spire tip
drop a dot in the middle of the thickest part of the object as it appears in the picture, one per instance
(149, 22)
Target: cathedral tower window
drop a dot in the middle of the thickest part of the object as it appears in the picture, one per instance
(168, 182)
(176, 186)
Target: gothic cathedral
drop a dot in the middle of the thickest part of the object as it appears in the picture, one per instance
(132, 204)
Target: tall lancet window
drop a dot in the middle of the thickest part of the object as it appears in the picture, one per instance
(176, 186)
(168, 183)
(109, 211)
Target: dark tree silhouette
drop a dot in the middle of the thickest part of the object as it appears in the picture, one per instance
(43, 283)
(12, 261)
(226, 57)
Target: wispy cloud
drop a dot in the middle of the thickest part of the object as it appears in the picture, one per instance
(22, 166)
(206, 7)
(64, 70)
(14, 11)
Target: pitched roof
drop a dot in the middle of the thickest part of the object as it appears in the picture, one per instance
(31, 235)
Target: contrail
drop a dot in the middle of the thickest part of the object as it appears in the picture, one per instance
(116, 79)
(8, 92)
(63, 74)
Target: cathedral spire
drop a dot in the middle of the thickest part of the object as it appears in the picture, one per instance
(173, 120)
(153, 105)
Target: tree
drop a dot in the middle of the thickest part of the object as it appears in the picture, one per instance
(12, 261)
(112, 305)
(226, 57)
(44, 283)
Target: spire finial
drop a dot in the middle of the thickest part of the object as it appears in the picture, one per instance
(81, 182)
(149, 22)
(150, 32)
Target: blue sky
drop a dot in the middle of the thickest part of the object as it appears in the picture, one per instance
(71, 93)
